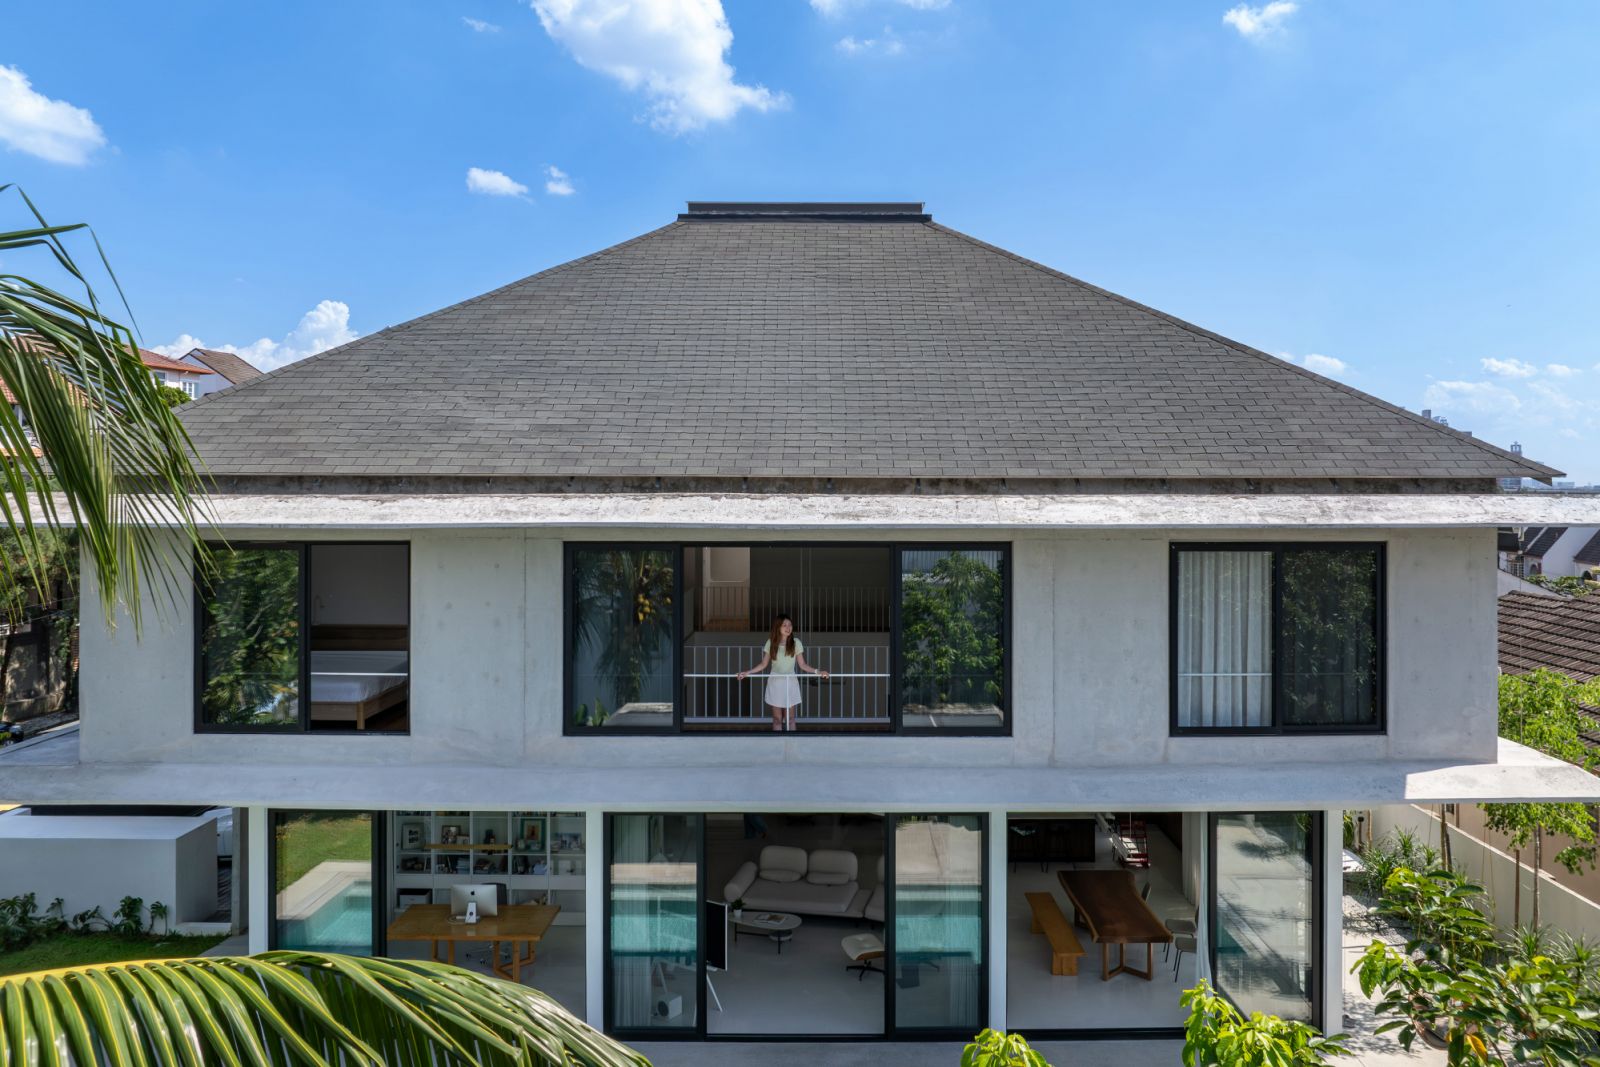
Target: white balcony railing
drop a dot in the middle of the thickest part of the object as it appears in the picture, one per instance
(856, 692)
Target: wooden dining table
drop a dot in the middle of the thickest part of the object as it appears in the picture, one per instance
(1107, 902)
(523, 926)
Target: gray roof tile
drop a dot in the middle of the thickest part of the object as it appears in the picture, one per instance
(814, 348)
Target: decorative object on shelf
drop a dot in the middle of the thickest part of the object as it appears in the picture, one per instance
(533, 835)
(451, 834)
(489, 838)
(411, 835)
(413, 865)
(519, 865)
(540, 867)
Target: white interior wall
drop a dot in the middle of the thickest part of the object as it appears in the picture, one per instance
(359, 584)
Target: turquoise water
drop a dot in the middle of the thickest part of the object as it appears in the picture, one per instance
(343, 924)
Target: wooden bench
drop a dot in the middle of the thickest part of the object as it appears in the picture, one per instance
(1048, 920)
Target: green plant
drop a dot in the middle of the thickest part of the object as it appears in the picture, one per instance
(1543, 710)
(991, 1048)
(129, 917)
(158, 913)
(305, 1008)
(1570, 584)
(21, 922)
(1531, 1000)
(89, 424)
(950, 618)
(1394, 850)
(1217, 1035)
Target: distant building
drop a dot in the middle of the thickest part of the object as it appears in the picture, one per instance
(230, 369)
(193, 379)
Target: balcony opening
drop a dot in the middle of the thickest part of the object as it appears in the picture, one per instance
(838, 599)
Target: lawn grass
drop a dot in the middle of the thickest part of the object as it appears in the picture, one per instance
(74, 950)
(307, 839)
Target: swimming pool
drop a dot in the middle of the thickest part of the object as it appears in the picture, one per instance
(342, 924)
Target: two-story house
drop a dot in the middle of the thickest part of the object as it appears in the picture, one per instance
(1117, 617)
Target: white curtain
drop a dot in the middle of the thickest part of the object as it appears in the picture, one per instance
(1224, 638)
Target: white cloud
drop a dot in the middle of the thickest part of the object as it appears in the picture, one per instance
(1260, 23)
(1484, 398)
(1509, 368)
(53, 130)
(480, 26)
(1560, 370)
(323, 327)
(888, 44)
(557, 183)
(493, 183)
(673, 51)
(832, 8)
(1328, 366)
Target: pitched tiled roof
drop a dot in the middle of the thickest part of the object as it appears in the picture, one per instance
(1544, 542)
(1562, 633)
(1590, 552)
(230, 366)
(156, 361)
(826, 345)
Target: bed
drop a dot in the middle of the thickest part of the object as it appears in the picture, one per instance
(353, 685)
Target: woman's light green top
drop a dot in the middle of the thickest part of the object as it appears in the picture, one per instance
(783, 663)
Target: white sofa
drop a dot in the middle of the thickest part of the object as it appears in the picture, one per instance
(819, 882)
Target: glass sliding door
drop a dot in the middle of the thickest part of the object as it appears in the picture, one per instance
(322, 875)
(653, 923)
(952, 638)
(938, 933)
(1265, 879)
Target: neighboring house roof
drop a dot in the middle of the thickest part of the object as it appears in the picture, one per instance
(1562, 633)
(227, 364)
(1590, 552)
(1530, 534)
(1544, 542)
(815, 342)
(156, 361)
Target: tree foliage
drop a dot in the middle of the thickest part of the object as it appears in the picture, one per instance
(1217, 1035)
(251, 638)
(93, 433)
(950, 622)
(623, 617)
(282, 1008)
(991, 1048)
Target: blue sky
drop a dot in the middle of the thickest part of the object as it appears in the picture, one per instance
(1405, 195)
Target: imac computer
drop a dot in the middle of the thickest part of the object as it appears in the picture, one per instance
(486, 897)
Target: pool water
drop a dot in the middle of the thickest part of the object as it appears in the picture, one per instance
(343, 924)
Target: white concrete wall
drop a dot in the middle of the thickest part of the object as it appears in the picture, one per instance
(1089, 682)
(1559, 907)
(1558, 561)
(95, 860)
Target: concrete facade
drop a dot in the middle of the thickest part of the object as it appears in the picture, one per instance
(1089, 667)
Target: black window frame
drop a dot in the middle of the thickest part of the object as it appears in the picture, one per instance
(1277, 727)
(896, 726)
(303, 727)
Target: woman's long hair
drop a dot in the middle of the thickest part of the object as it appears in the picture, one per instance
(776, 637)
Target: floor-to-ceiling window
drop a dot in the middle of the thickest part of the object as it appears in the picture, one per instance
(322, 872)
(938, 946)
(653, 923)
(1265, 946)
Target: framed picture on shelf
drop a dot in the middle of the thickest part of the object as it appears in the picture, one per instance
(450, 834)
(532, 835)
(411, 835)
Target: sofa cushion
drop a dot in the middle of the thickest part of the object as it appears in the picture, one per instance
(781, 863)
(802, 897)
(830, 866)
(740, 883)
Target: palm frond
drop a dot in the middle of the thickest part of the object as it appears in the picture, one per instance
(307, 1009)
(102, 436)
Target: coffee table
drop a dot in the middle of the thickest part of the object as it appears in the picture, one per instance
(777, 925)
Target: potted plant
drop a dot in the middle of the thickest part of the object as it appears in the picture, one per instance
(738, 909)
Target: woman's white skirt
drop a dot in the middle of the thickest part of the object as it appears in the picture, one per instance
(783, 690)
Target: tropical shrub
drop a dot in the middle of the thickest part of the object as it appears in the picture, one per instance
(950, 619)
(991, 1048)
(1217, 1035)
(1488, 1003)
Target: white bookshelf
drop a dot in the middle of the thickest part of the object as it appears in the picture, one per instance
(539, 855)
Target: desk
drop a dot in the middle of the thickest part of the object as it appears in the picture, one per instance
(1108, 903)
(523, 925)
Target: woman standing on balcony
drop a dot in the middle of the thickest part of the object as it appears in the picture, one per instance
(784, 652)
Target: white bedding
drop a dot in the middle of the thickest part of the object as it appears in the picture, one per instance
(351, 677)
